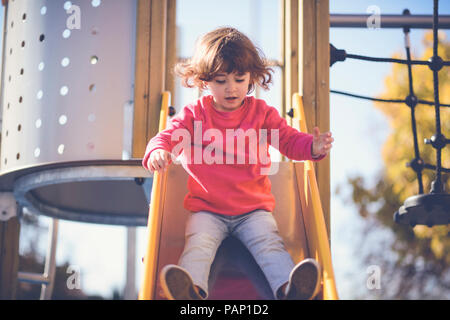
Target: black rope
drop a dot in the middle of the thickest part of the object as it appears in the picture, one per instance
(435, 63)
(391, 60)
(367, 98)
(417, 163)
(419, 101)
(432, 103)
(342, 55)
(438, 141)
(427, 209)
(432, 167)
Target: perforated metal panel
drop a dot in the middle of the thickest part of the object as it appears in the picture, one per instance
(67, 93)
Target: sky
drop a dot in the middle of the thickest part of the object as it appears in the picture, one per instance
(358, 128)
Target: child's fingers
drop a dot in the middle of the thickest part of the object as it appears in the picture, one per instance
(316, 132)
(327, 148)
(167, 157)
(326, 138)
(322, 141)
(157, 166)
(154, 164)
(150, 165)
(161, 160)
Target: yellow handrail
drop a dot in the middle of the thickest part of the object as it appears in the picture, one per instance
(148, 285)
(317, 232)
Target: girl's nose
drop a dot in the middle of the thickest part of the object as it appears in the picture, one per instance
(230, 87)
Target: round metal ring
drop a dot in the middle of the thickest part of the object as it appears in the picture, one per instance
(109, 194)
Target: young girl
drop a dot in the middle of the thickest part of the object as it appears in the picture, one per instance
(224, 149)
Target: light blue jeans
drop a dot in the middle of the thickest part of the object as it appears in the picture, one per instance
(257, 230)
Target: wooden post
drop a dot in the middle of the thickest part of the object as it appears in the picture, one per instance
(314, 82)
(291, 50)
(141, 83)
(171, 46)
(155, 23)
(9, 257)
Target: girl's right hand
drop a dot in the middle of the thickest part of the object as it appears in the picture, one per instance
(159, 160)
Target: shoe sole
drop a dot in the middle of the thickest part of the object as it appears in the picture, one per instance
(306, 279)
(177, 284)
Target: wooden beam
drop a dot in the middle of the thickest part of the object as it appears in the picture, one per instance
(314, 80)
(291, 70)
(157, 64)
(308, 72)
(284, 103)
(141, 83)
(171, 46)
(9, 257)
(150, 78)
(323, 98)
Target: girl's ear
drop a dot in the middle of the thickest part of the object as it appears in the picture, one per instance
(251, 86)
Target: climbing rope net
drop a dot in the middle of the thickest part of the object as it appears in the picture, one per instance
(427, 209)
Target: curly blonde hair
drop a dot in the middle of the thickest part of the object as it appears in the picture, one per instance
(224, 50)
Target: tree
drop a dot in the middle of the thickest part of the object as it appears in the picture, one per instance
(415, 262)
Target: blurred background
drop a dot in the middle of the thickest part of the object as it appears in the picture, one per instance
(369, 178)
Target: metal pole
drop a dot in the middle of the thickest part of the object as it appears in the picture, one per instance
(130, 285)
(388, 21)
(255, 18)
(50, 261)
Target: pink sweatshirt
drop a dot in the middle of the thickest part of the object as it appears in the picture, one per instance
(228, 168)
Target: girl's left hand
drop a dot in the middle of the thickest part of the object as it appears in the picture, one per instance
(321, 143)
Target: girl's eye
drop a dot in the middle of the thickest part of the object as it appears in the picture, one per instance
(239, 80)
(220, 81)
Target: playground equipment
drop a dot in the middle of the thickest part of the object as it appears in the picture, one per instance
(81, 98)
(68, 112)
(67, 121)
(298, 213)
(425, 209)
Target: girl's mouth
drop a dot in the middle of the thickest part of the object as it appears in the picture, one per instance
(231, 98)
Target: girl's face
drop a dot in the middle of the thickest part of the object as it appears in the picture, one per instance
(229, 90)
